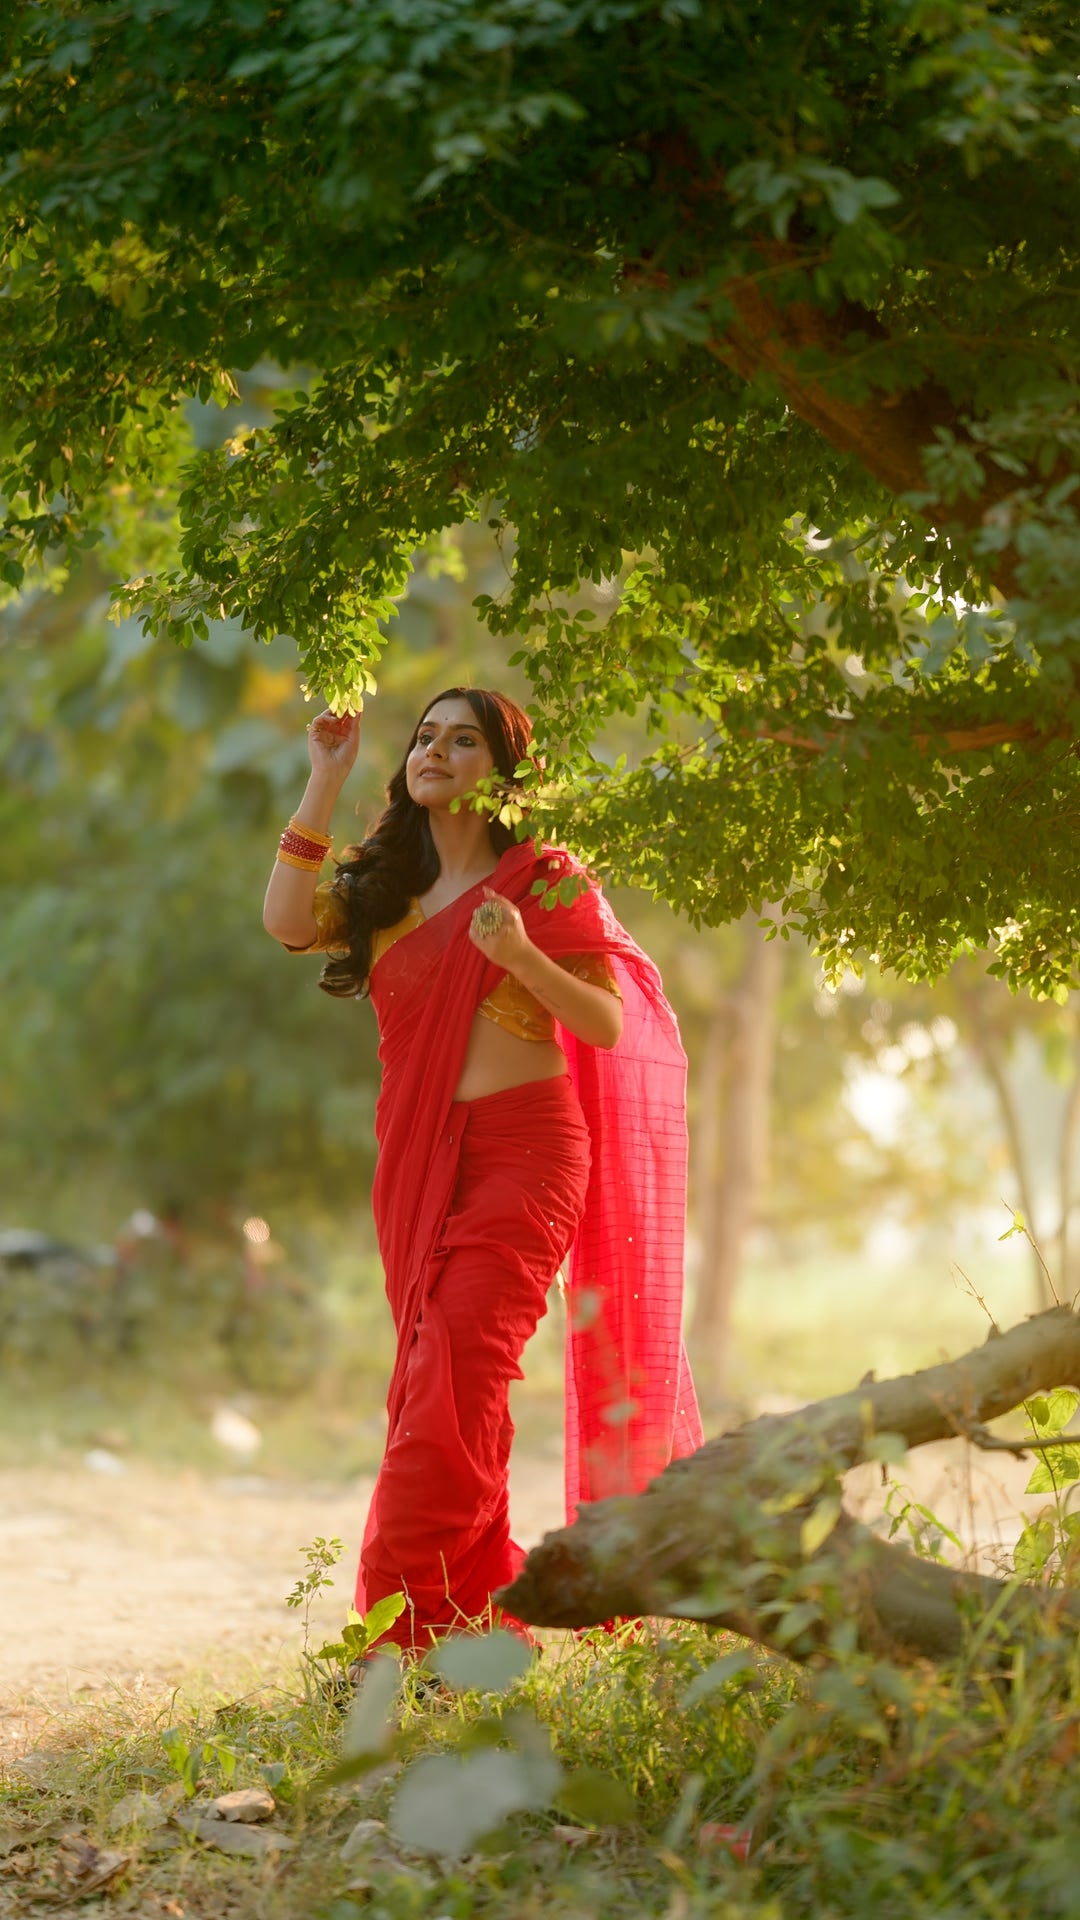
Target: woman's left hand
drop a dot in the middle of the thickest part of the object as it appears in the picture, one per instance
(506, 945)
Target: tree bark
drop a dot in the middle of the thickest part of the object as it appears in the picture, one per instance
(706, 1142)
(1066, 1160)
(983, 1041)
(976, 739)
(723, 1536)
(729, 1198)
(886, 430)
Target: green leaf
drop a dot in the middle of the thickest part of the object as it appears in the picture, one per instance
(334, 1650)
(702, 1606)
(446, 1804)
(1050, 1413)
(1056, 1468)
(482, 1663)
(597, 1799)
(370, 1729)
(382, 1616)
(805, 1482)
(795, 1621)
(741, 1660)
(819, 1524)
(370, 1725)
(837, 1691)
(1034, 1547)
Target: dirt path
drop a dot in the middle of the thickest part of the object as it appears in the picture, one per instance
(169, 1576)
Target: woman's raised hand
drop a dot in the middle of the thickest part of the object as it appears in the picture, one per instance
(333, 741)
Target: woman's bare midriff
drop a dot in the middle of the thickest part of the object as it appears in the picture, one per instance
(496, 1060)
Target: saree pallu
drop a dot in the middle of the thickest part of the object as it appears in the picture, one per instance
(629, 1397)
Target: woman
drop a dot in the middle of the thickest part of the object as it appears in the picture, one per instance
(532, 1103)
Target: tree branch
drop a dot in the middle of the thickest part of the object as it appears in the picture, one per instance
(719, 1537)
(989, 1442)
(887, 431)
(992, 733)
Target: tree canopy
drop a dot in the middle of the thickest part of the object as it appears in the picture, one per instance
(762, 314)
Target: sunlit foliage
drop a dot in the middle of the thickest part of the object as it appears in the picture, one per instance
(779, 304)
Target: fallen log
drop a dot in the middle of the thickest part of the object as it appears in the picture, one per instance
(749, 1533)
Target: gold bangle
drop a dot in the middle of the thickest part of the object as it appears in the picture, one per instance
(294, 860)
(310, 833)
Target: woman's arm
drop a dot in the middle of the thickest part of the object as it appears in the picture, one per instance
(590, 1013)
(287, 909)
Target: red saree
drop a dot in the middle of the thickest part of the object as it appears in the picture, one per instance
(436, 1525)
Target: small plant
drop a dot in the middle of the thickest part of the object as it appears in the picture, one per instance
(184, 1760)
(924, 1529)
(502, 1759)
(331, 1665)
(321, 1556)
(1049, 1545)
(188, 1761)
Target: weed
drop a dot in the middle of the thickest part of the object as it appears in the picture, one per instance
(321, 1556)
(1050, 1544)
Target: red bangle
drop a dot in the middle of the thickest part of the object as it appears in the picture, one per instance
(300, 847)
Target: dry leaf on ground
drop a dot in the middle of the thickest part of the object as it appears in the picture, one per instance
(87, 1867)
(19, 1861)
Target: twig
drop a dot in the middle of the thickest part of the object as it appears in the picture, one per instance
(1037, 1251)
(974, 1294)
(993, 1443)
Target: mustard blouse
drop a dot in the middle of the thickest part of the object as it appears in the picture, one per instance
(509, 1004)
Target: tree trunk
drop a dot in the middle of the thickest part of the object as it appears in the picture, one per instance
(984, 1043)
(1066, 1159)
(706, 1135)
(728, 1200)
(748, 1533)
(887, 431)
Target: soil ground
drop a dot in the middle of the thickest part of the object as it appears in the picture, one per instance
(144, 1577)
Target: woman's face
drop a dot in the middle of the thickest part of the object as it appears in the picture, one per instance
(450, 755)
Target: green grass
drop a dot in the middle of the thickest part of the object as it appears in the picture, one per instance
(870, 1790)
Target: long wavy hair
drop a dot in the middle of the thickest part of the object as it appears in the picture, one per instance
(397, 860)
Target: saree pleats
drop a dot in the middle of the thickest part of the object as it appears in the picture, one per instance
(439, 1527)
(475, 1207)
